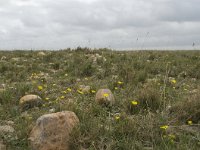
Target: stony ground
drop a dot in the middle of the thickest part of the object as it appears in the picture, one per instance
(157, 99)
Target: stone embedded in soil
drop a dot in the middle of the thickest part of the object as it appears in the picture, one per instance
(41, 54)
(30, 101)
(10, 122)
(6, 129)
(104, 96)
(85, 89)
(15, 59)
(52, 131)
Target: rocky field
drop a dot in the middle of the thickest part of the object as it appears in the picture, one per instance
(86, 99)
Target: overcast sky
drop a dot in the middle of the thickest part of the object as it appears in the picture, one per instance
(116, 24)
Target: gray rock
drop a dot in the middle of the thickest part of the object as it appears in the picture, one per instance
(6, 129)
(30, 101)
(52, 131)
(104, 96)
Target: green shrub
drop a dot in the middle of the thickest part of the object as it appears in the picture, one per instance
(149, 98)
(88, 69)
(5, 97)
(187, 110)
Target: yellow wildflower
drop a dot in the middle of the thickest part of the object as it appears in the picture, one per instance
(173, 81)
(62, 97)
(68, 89)
(164, 127)
(117, 117)
(105, 94)
(80, 92)
(134, 102)
(93, 91)
(116, 88)
(40, 87)
(189, 122)
(47, 98)
(119, 82)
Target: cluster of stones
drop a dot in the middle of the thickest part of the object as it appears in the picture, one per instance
(52, 131)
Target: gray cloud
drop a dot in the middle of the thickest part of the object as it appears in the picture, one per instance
(50, 24)
(179, 11)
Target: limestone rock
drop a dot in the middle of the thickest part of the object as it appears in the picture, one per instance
(52, 110)
(30, 101)
(3, 58)
(41, 54)
(6, 129)
(52, 131)
(104, 96)
(10, 123)
(85, 89)
(15, 59)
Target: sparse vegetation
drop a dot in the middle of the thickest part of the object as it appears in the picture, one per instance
(151, 89)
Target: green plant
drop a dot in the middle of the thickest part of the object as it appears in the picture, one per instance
(149, 98)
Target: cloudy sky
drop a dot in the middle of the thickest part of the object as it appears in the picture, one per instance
(116, 24)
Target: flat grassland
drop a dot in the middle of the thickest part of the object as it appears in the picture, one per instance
(157, 96)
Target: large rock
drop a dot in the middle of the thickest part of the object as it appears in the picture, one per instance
(30, 101)
(52, 131)
(104, 96)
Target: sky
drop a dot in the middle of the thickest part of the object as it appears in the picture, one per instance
(115, 24)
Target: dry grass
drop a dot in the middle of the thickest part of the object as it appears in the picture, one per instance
(146, 100)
